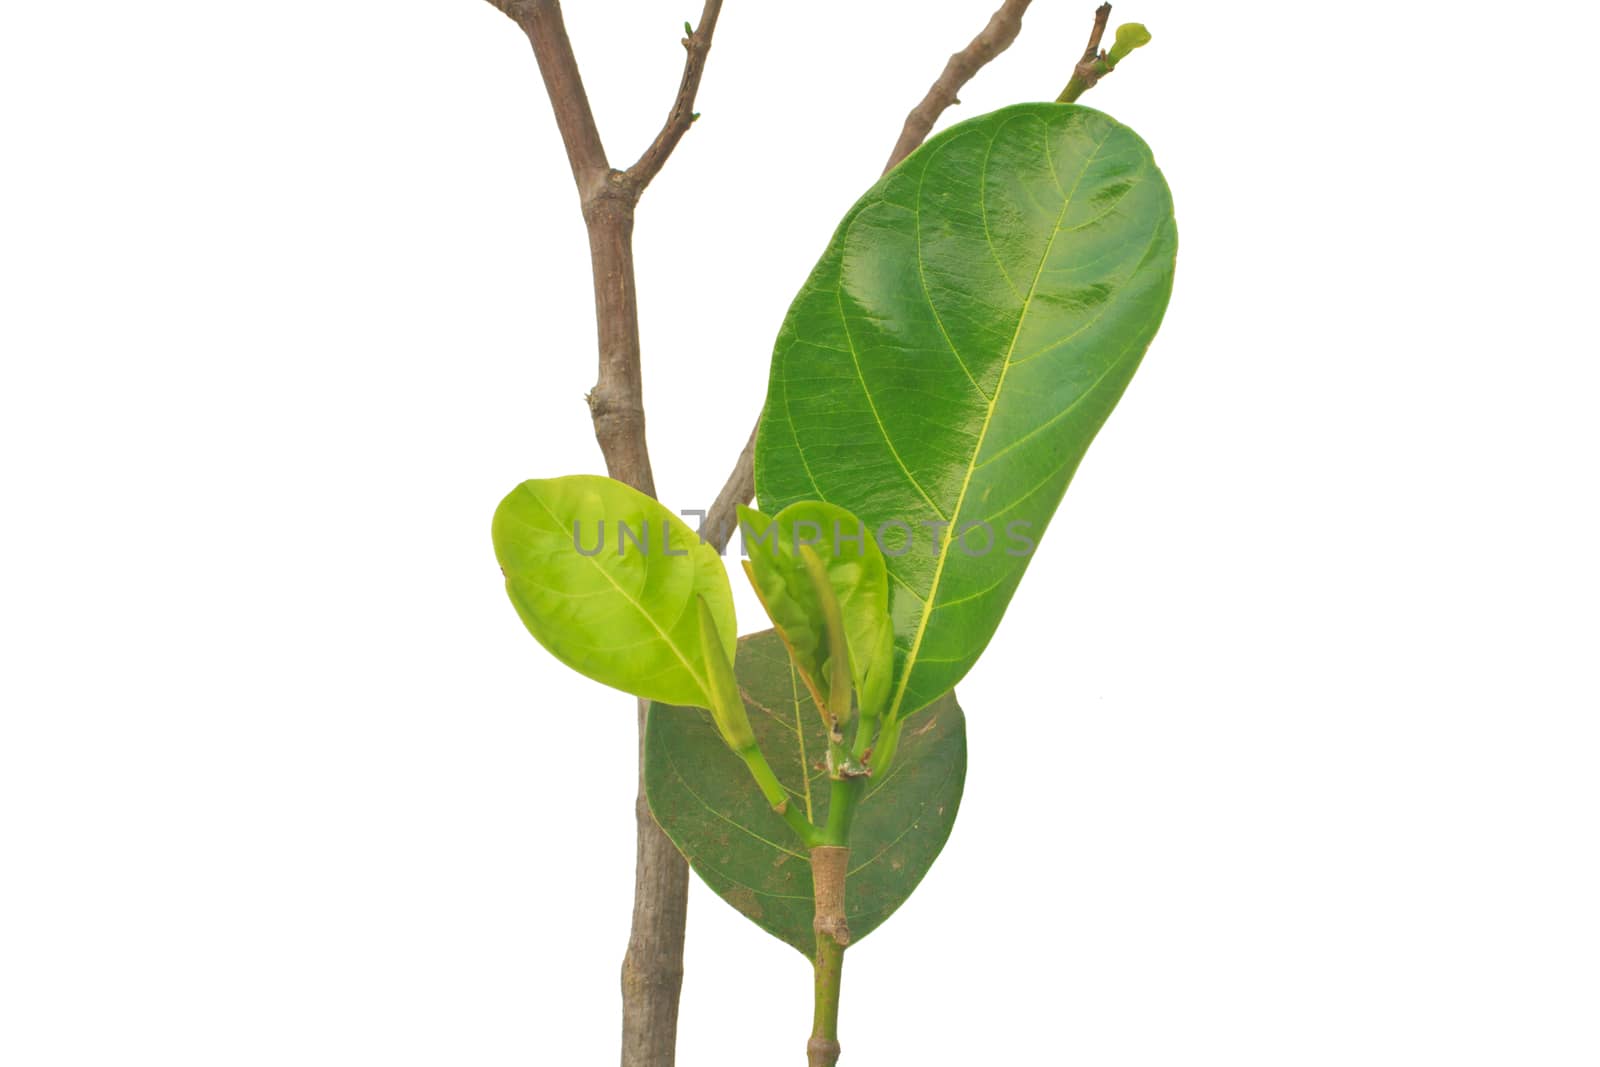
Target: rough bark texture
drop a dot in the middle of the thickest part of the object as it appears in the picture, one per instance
(1092, 67)
(829, 865)
(652, 970)
(616, 403)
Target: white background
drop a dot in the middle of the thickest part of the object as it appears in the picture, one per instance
(1285, 755)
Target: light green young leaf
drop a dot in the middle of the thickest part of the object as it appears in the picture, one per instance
(970, 327)
(858, 578)
(608, 580)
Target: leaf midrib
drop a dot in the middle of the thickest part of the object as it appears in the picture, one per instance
(683, 780)
(593, 561)
(929, 605)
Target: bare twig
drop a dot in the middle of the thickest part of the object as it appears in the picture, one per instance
(1092, 67)
(652, 971)
(740, 488)
(682, 115)
(541, 21)
(996, 37)
(616, 403)
(1102, 16)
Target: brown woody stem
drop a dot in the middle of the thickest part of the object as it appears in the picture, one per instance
(1093, 66)
(829, 864)
(996, 37)
(652, 971)
(740, 488)
(696, 46)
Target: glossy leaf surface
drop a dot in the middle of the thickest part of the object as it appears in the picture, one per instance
(973, 322)
(608, 579)
(704, 799)
(857, 576)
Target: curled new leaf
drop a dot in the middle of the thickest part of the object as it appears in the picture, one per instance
(835, 652)
(858, 579)
(726, 706)
(609, 581)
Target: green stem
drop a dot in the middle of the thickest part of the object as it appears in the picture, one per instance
(1081, 84)
(778, 796)
(823, 1048)
(1090, 68)
(842, 801)
(830, 863)
(863, 738)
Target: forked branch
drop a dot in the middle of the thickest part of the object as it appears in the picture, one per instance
(541, 20)
(697, 45)
(652, 971)
(1096, 63)
(1091, 68)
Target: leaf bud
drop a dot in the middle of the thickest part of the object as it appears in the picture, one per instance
(1130, 35)
(727, 706)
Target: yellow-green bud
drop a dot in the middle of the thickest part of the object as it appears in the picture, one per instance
(1130, 35)
(727, 706)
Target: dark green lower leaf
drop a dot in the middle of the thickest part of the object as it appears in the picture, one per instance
(703, 797)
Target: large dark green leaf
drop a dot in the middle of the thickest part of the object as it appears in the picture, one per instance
(705, 800)
(973, 322)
